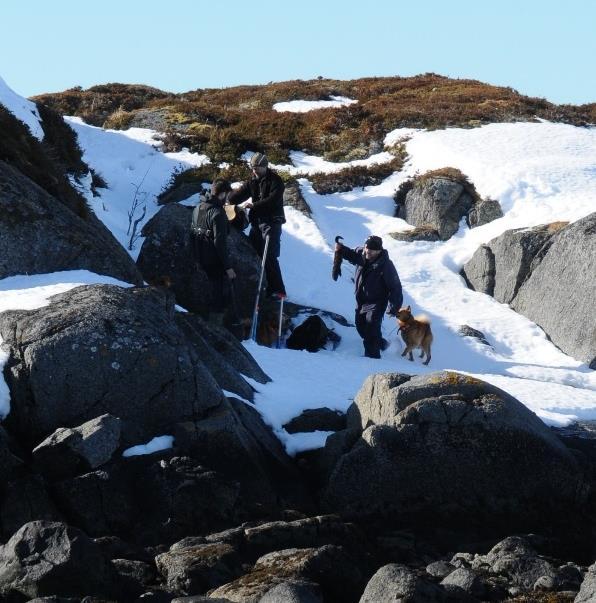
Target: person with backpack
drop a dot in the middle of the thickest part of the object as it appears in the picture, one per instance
(265, 191)
(377, 285)
(210, 231)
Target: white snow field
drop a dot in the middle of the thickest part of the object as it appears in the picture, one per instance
(539, 172)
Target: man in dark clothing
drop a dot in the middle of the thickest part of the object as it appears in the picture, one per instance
(265, 191)
(376, 284)
(210, 231)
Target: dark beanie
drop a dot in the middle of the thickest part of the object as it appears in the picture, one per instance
(258, 160)
(373, 242)
(220, 186)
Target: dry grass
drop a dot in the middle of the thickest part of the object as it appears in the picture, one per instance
(226, 122)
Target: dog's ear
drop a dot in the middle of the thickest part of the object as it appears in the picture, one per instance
(408, 309)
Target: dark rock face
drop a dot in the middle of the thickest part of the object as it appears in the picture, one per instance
(525, 267)
(293, 198)
(40, 235)
(166, 259)
(45, 558)
(410, 457)
(103, 349)
(69, 452)
(317, 419)
(438, 202)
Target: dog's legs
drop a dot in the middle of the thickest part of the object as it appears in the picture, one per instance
(421, 353)
(427, 352)
(408, 351)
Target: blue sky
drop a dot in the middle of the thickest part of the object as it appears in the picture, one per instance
(541, 48)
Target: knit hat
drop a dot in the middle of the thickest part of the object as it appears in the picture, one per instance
(374, 243)
(258, 160)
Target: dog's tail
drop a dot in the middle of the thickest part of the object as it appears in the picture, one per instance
(423, 318)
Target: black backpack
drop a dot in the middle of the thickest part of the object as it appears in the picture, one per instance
(311, 335)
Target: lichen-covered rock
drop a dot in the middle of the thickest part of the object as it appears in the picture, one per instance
(446, 444)
(103, 349)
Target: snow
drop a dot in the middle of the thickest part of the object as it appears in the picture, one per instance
(304, 106)
(155, 445)
(24, 292)
(134, 168)
(23, 109)
(539, 172)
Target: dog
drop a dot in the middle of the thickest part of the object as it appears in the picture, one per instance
(415, 332)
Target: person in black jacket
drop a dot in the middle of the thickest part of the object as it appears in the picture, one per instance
(265, 191)
(210, 231)
(377, 284)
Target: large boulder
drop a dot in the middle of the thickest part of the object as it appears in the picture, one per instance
(166, 259)
(565, 277)
(436, 201)
(447, 445)
(48, 558)
(68, 452)
(38, 234)
(293, 197)
(501, 267)
(395, 582)
(554, 262)
(103, 349)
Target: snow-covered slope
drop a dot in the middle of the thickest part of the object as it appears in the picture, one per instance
(22, 109)
(539, 172)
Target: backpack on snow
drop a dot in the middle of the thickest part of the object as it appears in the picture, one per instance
(311, 335)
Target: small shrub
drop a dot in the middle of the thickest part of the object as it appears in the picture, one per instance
(355, 176)
(118, 120)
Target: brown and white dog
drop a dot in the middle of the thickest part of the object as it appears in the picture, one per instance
(415, 332)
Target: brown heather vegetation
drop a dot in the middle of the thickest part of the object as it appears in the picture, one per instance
(47, 162)
(224, 123)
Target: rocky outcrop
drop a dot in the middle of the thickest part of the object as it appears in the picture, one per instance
(69, 452)
(166, 259)
(293, 197)
(396, 582)
(437, 201)
(103, 349)
(525, 267)
(46, 558)
(502, 266)
(563, 277)
(38, 234)
(410, 458)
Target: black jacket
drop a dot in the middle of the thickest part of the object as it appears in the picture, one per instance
(267, 197)
(376, 283)
(210, 230)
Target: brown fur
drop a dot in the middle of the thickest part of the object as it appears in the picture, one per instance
(267, 326)
(415, 332)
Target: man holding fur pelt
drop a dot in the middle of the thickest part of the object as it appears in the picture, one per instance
(377, 285)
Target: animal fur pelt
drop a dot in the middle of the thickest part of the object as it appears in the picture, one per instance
(337, 260)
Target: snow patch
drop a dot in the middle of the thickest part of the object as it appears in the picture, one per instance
(23, 109)
(155, 445)
(304, 106)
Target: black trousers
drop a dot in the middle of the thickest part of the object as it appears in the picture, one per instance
(368, 325)
(257, 235)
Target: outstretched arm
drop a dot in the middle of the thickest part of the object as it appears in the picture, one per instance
(393, 285)
(354, 256)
